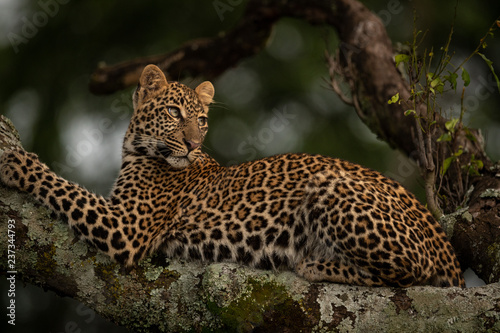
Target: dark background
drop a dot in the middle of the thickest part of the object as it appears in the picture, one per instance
(275, 102)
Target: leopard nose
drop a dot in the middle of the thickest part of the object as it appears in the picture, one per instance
(192, 144)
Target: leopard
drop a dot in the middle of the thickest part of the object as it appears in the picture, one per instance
(324, 218)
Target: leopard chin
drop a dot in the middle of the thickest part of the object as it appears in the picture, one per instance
(179, 162)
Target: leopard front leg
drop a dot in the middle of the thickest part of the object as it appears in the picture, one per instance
(93, 218)
(14, 167)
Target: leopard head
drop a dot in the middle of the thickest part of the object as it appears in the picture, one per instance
(169, 119)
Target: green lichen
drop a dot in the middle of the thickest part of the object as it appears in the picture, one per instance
(171, 303)
(46, 262)
(261, 300)
(493, 252)
(490, 193)
(60, 234)
(159, 275)
(157, 301)
(438, 316)
(448, 221)
(80, 249)
(185, 291)
(223, 283)
(9, 135)
(87, 283)
(151, 272)
(108, 273)
(467, 216)
(491, 320)
(41, 226)
(297, 287)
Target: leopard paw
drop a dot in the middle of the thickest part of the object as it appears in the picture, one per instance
(15, 166)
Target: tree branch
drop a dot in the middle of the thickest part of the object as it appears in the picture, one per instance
(208, 58)
(368, 66)
(202, 57)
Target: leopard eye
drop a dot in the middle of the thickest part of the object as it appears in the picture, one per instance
(202, 121)
(174, 112)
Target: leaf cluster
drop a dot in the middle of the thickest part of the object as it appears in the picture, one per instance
(431, 75)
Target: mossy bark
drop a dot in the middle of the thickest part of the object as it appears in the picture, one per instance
(175, 296)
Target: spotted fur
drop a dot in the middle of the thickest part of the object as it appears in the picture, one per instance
(325, 218)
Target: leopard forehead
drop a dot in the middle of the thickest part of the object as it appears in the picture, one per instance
(178, 95)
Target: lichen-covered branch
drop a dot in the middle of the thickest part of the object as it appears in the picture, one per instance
(162, 295)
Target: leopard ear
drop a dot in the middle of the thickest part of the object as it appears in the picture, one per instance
(151, 81)
(152, 78)
(205, 92)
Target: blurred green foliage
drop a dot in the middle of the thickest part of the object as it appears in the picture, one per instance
(275, 102)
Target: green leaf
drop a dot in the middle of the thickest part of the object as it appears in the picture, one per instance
(486, 60)
(444, 137)
(446, 165)
(447, 162)
(473, 171)
(393, 99)
(474, 166)
(458, 153)
(479, 164)
(399, 58)
(408, 112)
(490, 65)
(450, 124)
(469, 135)
(436, 82)
(440, 87)
(452, 78)
(465, 77)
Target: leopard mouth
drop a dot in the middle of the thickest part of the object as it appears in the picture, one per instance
(180, 161)
(163, 150)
